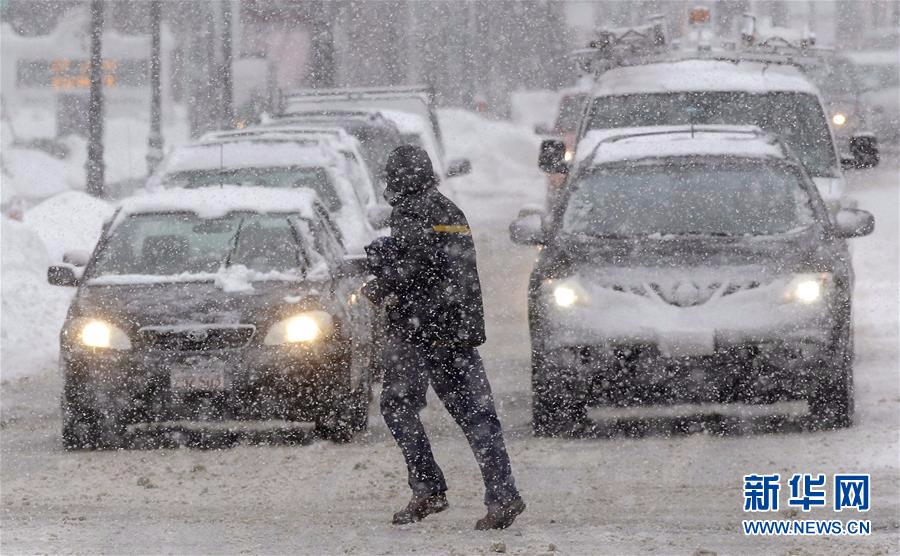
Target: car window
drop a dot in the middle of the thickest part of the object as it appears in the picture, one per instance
(360, 179)
(688, 197)
(796, 117)
(327, 236)
(168, 244)
(570, 109)
(314, 178)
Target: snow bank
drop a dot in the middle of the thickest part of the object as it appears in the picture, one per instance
(32, 175)
(533, 107)
(33, 310)
(504, 162)
(67, 222)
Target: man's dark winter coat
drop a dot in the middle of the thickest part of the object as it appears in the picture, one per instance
(426, 273)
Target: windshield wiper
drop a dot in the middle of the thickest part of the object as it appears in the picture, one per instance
(710, 234)
(234, 243)
(591, 235)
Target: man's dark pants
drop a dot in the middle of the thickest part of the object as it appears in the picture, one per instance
(458, 377)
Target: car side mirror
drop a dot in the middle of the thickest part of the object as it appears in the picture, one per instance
(864, 149)
(62, 275)
(459, 167)
(77, 257)
(528, 228)
(854, 223)
(353, 266)
(552, 158)
(379, 216)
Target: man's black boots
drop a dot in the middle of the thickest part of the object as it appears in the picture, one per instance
(501, 516)
(421, 507)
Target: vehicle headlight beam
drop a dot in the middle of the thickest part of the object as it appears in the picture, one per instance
(303, 328)
(807, 288)
(99, 334)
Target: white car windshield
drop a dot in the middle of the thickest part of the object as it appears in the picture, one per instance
(796, 117)
(167, 244)
(688, 197)
(313, 178)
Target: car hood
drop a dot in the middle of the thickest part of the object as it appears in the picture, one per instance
(793, 252)
(134, 306)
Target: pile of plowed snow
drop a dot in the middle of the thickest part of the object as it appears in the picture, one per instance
(504, 162)
(33, 310)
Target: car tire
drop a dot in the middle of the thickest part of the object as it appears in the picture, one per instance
(86, 428)
(558, 404)
(349, 411)
(831, 403)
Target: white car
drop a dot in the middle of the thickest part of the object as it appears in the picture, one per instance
(878, 78)
(368, 187)
(276, 162)
(778, 98)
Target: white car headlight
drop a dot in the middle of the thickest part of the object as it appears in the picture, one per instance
(95, 333)
(566, 293)
(839, 119)
(807, 288)
(302, 328)
(564, 296)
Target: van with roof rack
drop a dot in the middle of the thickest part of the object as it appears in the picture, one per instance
(643, 81)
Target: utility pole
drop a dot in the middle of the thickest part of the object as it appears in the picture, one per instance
(155, 138)
(322, 55)
(227, 114)
(94, 166)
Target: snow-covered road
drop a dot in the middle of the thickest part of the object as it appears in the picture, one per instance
(662, 489)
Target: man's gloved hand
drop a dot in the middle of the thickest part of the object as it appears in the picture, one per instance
(380, 254)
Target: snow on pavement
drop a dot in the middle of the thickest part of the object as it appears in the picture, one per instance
(618, 493)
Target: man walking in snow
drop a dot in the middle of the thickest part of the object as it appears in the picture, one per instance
(427, 280)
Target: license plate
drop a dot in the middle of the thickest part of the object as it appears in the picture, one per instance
(199, 374)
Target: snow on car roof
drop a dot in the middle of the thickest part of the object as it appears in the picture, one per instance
(703, 75)
(249, 153)
(284, 132)
(674, 141)
(215, 202)
(874, 57)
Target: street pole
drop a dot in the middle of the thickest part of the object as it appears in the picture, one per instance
(227, 61)
(94, 166)
(322, 47)
(155, 138)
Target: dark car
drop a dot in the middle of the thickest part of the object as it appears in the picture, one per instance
(690, 265)
(227, 303)
(377, 135)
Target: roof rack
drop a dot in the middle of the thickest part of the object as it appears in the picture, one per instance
(647, 44)
(351, 93)
(752, 131)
